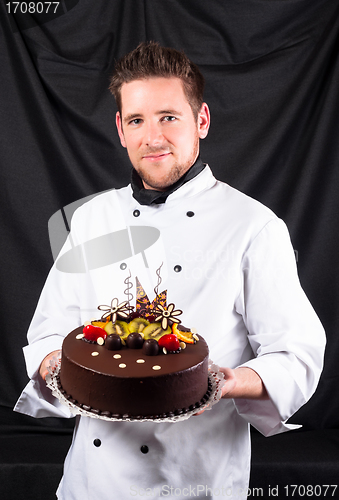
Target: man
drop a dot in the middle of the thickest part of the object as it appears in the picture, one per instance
(227, 262)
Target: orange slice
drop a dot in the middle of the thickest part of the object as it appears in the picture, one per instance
(183, 336)
(101, 324)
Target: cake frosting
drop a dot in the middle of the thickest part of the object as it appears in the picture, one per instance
(135, 364)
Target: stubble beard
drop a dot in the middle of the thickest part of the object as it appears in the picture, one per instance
(173, 175)
(150, 182)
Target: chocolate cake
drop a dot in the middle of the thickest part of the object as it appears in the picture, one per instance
(129, 383)
(136, 364)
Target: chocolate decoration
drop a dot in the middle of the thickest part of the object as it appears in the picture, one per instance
(115, 309)
(113, 342)
(150, 347)
(183, 328)
(143, 305)
(128, 288)
(156, 289)
(166, 314)
(134, 340)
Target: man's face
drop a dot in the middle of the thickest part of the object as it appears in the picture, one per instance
(159, 130)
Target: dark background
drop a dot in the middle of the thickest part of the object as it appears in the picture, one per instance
(272, 84)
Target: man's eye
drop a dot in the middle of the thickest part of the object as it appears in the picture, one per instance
(169, 118)
(136, 121)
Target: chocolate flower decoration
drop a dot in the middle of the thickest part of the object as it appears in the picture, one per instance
(116, 309)
(167, 314)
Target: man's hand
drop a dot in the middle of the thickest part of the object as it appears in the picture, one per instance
(43, 370)
(241, 383)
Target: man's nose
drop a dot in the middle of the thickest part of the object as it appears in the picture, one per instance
(153, 135)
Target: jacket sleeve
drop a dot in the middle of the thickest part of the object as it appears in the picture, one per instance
(57, 313)
(284, 331)
(67, 300)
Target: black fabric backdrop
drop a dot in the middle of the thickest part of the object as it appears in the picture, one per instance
(272, 75)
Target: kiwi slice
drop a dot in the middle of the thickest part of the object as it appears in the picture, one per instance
(155, 331)
(138, 325)
(119, 327)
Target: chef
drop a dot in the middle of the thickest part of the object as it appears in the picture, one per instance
(226, 261)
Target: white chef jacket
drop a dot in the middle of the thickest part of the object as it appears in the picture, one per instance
(228, 263)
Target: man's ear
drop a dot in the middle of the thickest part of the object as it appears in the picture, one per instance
(119, 127)
(204, 121)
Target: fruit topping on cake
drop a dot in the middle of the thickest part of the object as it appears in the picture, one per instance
(170, 343)
(153, 327)
(138, 325)
(184, 334)
(94, 333)
(155, 331)
(119, 327)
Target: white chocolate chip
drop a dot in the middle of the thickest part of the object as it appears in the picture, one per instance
(182, 345)
(117, 356)
(195, 336)
(140, 361)
(122, 365)
(164, 350)
(80, 336)
(95, 353)
(100, 341)
(156, 367)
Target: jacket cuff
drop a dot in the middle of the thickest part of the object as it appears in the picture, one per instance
(285, 396)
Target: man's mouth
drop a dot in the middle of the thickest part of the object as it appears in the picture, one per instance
(156, 156)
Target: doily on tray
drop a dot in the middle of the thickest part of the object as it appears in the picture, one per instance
(216, 379)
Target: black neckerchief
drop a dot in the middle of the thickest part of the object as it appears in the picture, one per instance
(153, 197)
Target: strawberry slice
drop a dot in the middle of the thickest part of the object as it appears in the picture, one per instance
(170, 342)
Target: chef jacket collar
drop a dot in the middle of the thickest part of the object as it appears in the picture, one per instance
(153, 197)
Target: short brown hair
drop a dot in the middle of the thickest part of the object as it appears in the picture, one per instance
(150, 59)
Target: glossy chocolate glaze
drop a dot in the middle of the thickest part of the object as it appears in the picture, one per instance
(99, 383)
